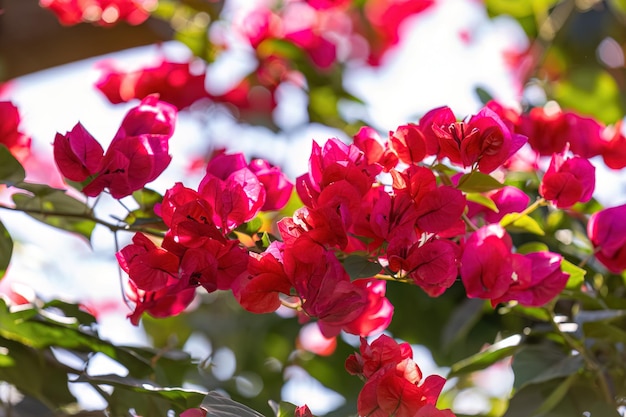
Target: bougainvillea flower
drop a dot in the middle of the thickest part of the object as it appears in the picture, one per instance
(488, 267)
(568, 181)
(10, 134)
(277, 186)
(326, 291)
(235, 199)
(137, 155)
(549, 130)
(175, 82)
(215, 265)
(149, 266)
(166, 302)
(260, 289)
(100, 12)
(77, 154)
(333, 162)
(394, 383)
(376, 152)
(385, 216)
(433, 266)
(440, 209)
(382, 352)
(194, 412)
(614, 151)
(493, 145)
(303, 411)
(385, 18)
(398, 391)
(546, 281)
(409, 143)
(607, 231)
(435, 118)
(321, 51)
(377, 316)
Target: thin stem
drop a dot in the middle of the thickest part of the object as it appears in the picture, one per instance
(85, 216)
(534, 206)
(579, 347)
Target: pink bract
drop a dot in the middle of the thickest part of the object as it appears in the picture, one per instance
(607, 231)
(175, 82)
(568, 181)
(137, 155)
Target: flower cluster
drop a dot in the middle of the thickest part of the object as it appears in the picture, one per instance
(176, 83)
(394, 385)
(197, 249)
(100, 12)
(137, 155)
(10, 134)
(418, 227)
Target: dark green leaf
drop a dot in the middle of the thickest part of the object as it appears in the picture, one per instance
(564, 368)
(58, 210)
(483, 95)
(586, 316)
(73, 311)
(360, 267)
(217, 405)
(11, 171)
(556, 396)
(6, 249)
(532, 361)
(37, 373)
(477, 182)
(29, 328)
(179, 397)
(482, 360)
(464, 317)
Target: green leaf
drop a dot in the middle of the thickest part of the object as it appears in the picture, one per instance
(592, 91)
(59, 210)
(360, 267)
(6, 249)
(28, 327)
(252, 227)
(482, 200)
(482, 360)
(283, 409)
(518, 223)
(483, 95)
(461, 321)
(564, 368)
(178, 398)
(556, 396)
(532, 361)
(147, 198)
(477, 182)
(37, 373)
(11, 171)
(217, 405)
(576, 274)
(531, 247)
(587, 316)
